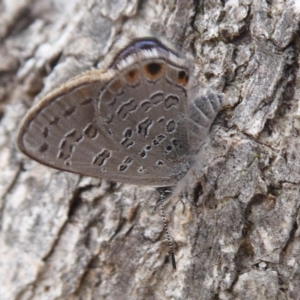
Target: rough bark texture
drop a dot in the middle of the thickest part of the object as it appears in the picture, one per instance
(68, 237)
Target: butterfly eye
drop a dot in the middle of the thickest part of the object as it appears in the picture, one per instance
(183, 78)
(154, 70)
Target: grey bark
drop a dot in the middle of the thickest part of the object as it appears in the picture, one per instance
(69, 237)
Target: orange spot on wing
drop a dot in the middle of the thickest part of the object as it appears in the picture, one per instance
(154, 70)
(116, 86)
(183, 78)
(132, 76)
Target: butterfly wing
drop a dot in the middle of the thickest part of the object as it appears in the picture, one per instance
(87, 125)
(144, 111)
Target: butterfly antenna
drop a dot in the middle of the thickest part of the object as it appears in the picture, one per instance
(162, 196)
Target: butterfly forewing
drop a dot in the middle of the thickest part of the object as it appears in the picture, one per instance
(60, 123)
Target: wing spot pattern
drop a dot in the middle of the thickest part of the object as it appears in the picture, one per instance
(126, 163)
(69, 112)
(143, 154)
(54, 121)
(44, 148)
(171, 101)
(160, 163)
(123, 168)
(132, 77)
(67, 145)
(127, 140)
(128, 160)
(128, 133)
(146, 105)
(183, 78)
(45, 132)
(101, 158)
(142, 170)
(144, 127)
(158, 139)
(127, 143)
(175, 142)
(153, 71)
(157, 98)
(90, 131)
(129, 107)
(171, 126)
(71, 133)
(169, 148)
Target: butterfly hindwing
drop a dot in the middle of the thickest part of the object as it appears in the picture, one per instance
(143, 109)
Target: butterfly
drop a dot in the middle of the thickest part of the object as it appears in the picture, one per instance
(134, 122)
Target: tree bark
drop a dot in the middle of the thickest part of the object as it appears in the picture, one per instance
(65, 236)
